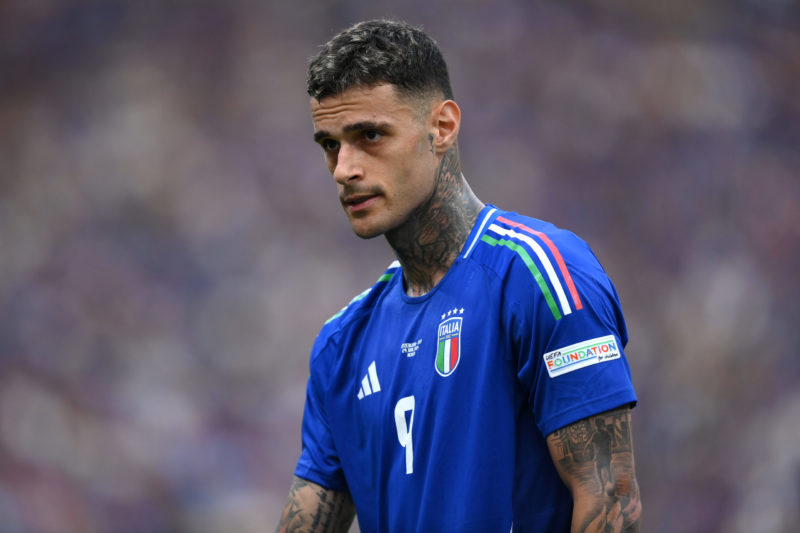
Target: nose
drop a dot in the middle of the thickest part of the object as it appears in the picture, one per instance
(347, 165)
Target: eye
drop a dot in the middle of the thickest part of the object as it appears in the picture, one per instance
(329, 145)
(372, 135)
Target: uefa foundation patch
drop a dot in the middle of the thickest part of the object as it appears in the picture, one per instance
(581, 355)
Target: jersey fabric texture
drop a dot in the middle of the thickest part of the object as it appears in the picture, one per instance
(432, 411)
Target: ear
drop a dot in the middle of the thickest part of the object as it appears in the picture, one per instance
(446, 121)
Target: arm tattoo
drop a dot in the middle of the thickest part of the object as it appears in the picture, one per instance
(594, 456)
(311, 508)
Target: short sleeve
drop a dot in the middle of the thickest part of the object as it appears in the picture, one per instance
(572, 364)
(319, 461)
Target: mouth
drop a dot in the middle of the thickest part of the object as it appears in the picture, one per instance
(358, 202)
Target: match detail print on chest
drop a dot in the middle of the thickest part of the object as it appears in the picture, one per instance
(425, 350)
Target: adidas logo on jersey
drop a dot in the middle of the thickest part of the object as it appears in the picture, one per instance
(369, 383)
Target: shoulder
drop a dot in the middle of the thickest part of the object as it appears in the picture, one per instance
(532, 254)
(359, 307)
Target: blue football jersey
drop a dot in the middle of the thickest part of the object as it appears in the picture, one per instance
(432, 411)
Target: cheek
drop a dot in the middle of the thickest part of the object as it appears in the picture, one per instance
(423, 146)
(421, 161)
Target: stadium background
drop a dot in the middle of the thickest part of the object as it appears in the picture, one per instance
(170, 241)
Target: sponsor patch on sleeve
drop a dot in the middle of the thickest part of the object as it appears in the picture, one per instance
(580, 355)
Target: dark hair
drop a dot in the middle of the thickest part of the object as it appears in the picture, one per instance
(379, 51)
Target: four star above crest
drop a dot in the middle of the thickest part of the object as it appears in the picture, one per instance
(453, 312)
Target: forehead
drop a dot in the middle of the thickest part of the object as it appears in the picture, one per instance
(380, 103)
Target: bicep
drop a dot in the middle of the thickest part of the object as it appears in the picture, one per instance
(312, 508)
(594, 458)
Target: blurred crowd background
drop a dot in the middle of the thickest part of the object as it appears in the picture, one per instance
(171, 242)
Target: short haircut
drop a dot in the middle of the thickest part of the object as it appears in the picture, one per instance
(379, 51)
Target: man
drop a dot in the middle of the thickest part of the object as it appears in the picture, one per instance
(480, 384)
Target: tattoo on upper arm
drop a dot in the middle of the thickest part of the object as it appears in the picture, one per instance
(311, 508)
(594, 456)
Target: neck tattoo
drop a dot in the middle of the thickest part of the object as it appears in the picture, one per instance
(430, 240)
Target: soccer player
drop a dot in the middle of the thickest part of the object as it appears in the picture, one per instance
(480, 384)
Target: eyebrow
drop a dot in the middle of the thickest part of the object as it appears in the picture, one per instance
(357, 126)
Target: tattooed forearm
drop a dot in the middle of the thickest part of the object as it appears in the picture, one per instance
(594, 457)
(311, 508)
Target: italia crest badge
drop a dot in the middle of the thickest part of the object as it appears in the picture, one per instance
(448, 351)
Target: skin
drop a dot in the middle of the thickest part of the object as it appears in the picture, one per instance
(395, 163)
(314, 509)
(594, 458)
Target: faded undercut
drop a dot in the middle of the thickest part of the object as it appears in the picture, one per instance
(379, 51)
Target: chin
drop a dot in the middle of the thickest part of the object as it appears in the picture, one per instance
(373, 225)
(367, 233)
(384, 225)
(365, 228)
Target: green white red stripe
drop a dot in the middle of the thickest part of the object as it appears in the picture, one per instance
(448, 350)
(447, 358)
(521, 242)
(556, 254)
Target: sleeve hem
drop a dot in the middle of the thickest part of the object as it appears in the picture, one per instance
(587, 409)
(320, 478)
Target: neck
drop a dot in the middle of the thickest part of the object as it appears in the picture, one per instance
(432, 237)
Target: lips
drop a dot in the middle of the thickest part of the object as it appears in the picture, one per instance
(357, 202)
